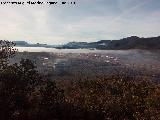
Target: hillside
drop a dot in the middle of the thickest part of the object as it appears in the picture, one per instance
(132, 42)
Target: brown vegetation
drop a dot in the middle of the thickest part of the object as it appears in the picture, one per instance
(27, 95)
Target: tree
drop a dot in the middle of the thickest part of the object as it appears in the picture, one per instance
(23, 91)
(18, 81)
(6, 51)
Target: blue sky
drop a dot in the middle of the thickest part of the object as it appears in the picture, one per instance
(88, 20)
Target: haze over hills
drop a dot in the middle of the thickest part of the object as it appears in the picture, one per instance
(132, 42)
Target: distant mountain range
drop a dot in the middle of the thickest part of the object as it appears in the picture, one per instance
(25, 44)
(132, 42)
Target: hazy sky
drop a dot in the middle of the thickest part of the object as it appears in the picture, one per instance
(88, 20)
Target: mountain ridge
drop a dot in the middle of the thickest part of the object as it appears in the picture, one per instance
(132, 42)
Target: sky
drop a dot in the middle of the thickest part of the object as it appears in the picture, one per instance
(87, 20)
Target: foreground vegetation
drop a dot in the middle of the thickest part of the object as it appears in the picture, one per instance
(27, 95)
